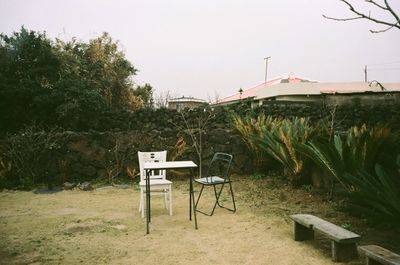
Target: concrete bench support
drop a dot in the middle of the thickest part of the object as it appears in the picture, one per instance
(376, 255)
(344, 242)
(343, 251)
(302, 232)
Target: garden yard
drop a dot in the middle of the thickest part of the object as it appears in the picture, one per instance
(72, 113)
(104, 226)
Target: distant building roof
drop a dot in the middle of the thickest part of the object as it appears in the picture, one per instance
(187, 99)
(253, 91)
(293, 85)
(324, 88)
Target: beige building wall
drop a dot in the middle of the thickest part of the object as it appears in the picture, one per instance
(183, 105)
(363, 99)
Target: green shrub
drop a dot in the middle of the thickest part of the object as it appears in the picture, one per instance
(31, 153)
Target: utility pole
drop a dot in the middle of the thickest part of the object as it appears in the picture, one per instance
(365, 74)
(266, 69)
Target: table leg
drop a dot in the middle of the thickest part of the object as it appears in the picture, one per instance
(192, 203)
(190, 196)
(147, 200)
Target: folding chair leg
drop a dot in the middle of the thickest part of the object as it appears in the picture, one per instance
(198, 197)
(197, 202)
(232, 196)
(217, 195)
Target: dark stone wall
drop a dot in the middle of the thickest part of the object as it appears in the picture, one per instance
(345, 116)
(88, 155)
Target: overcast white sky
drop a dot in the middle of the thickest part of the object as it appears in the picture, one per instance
(205, 47)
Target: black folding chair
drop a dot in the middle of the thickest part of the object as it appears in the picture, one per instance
(217, 174)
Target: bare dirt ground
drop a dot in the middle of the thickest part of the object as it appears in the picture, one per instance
(104, 227)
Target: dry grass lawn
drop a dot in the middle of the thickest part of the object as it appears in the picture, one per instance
(104, 227)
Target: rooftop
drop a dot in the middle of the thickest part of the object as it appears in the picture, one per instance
(187, 99)
(293, 85)
(253, 91)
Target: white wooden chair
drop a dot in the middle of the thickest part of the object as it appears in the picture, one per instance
(158, 182)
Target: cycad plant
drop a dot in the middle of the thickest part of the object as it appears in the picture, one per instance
(272, 137)
(250, 127)
(279, 141)
(353, 160)
(358, 150)
(376, 195)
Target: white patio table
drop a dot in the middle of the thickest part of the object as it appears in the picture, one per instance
(165, 166)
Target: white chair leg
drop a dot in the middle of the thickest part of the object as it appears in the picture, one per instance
(165, 199)
(170, 200)
(142, 202)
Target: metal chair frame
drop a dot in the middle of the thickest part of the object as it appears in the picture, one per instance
(217, 180)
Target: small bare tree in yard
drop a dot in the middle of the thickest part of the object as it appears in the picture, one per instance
(390, 19)
(195, 130)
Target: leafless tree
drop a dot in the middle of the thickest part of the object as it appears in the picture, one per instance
(215, 98)
(195, 129)
(161, 99)
(378, 6)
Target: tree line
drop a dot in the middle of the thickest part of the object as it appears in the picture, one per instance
(64, 83)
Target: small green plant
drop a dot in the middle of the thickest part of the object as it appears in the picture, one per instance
(258, 176)
(307, 188)
(346, 226)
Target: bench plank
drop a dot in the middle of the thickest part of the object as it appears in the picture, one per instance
(334, 232)
(380, 255)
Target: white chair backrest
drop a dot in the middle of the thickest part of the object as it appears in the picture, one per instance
(153, 157)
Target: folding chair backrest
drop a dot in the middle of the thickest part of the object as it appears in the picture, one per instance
(153, 157)
(220, 165)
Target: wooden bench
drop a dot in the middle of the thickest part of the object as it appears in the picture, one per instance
(344, 242)
(378, 255)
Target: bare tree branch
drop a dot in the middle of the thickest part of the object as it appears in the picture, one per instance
(342, 19)
(392, 12)
(360, 15)
(380, 31)
(376, 4)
